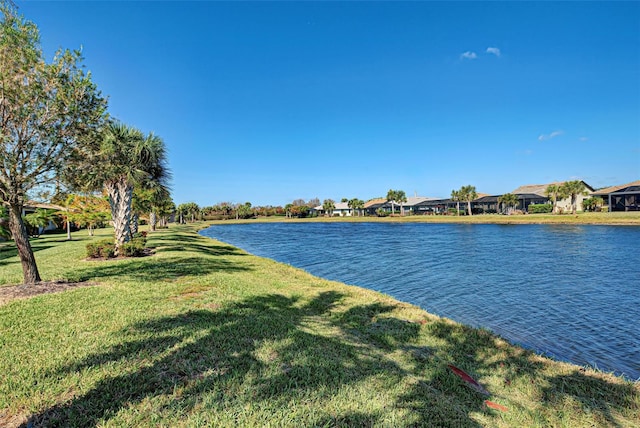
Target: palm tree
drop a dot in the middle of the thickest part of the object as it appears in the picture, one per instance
(573, 189)
(159, 202)
(127, 158)
(455, 197)
(40, 219)
(468, 194)
(328, 206)
(391, 197)
(355, 204)
(510, 200)
(396, 197)
(554, 192)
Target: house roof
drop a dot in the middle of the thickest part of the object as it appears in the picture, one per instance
(613, 189)
(435, 201)
(372, 202)
(539, 189)
(337, 206)
(487, 198)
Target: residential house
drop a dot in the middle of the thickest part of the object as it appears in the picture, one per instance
(371, 206)
(536, 194)
(625, 197)
(341, 209)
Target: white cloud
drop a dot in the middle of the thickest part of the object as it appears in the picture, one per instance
(545, 137)
(494, 51)
(584, 139)
(469, 55)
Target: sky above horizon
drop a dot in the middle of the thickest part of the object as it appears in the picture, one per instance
(268, 102)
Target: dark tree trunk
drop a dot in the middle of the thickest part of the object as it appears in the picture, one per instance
(21, 238)
(134, 224)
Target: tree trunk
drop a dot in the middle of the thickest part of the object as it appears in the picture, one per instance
(469, 205)
(120, 194)
(21, 238)
(153, 220)
(68, 229)
(134, 224)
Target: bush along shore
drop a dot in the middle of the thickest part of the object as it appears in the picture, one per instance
(199, 333)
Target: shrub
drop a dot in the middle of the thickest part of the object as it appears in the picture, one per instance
(142, 236)
(134, 248)
(104, 248)
(540, 208)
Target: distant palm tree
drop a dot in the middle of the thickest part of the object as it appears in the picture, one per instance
(355, 204)
(554, 192)
(573, 189)
(328, 206)
(455, 197)
(391, 197)
(40, 219)
(396, 197)
(468, 194)
(510, 200)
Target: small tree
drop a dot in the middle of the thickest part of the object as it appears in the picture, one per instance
(592, 204)
(48, 109)
(88, 211)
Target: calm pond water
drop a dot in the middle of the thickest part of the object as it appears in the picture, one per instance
(570, 292)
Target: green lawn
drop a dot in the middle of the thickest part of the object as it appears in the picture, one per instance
(203, 334)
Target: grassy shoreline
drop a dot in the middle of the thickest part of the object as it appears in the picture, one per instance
(204, 334)
(613, 219)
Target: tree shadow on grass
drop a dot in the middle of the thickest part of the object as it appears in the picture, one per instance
(482, 354)
(579, 386)
(218, 250)
(266, 352)
(216, 359)
(8, 251)
(151, 269)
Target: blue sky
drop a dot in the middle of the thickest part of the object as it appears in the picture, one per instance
(268, 102)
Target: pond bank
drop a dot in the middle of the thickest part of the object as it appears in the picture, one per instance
(202, 333)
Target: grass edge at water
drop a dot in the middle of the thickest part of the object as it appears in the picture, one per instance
(165, 336)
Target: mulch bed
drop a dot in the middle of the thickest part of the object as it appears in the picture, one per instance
(24, 291)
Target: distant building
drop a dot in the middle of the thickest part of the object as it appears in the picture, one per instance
(625, 197)
(536, 194)
(371, 206)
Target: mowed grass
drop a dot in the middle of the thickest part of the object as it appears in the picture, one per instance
(203, 334)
